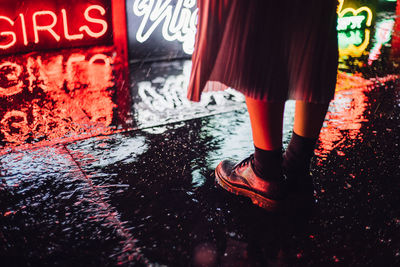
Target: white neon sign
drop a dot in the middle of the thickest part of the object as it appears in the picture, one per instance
(179, 21)
(353, 22)
(356, 20)
(353, 43)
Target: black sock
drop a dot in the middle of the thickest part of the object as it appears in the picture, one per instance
(268, 163)
(297, 157)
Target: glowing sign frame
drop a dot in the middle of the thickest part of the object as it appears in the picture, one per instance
(355, 21)
(182, 30)
(356, 50)
(161, 29)
(47, 25)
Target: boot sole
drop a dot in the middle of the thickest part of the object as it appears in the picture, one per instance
(257, 199)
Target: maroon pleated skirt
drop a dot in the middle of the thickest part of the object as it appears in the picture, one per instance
(268, 50)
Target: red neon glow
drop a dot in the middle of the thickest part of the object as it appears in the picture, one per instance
(13, 72)
(65, 25)
(14, 37)
(54, 24)
(395, 54)
(13, 122)
(49, 28)
(121, 63)
(47, 98)
(24, 29)
(100, 57)
(93, 20)
(346, 114)
(56, 97)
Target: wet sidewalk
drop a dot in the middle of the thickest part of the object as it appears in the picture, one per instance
(92, 175)
(148, 195)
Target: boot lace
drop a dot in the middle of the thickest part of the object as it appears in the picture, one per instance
(245, 162)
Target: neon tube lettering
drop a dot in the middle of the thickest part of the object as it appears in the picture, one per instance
(141, 9)
(352, 21)
(356, 50)
(182, 29)
(93, 20)
(24, 29)
(14, 36)
(49, 28)
(350, 38)
(65, 25)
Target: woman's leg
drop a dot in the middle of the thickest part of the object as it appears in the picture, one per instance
(266, 123)
(308, 118)
(260, 177)
(308, 121)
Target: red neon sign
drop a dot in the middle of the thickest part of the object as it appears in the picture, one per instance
(32, 25)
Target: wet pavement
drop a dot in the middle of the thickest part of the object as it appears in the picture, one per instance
(92, 175)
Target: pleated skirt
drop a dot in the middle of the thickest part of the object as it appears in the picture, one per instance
(272, 50)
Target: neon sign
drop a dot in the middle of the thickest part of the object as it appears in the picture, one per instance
(353, 43)
(350, 18)
(53, 24)
(161, 28)
(179, 21)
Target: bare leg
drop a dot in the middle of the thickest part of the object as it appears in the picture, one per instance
(308, 118)
(266, 123)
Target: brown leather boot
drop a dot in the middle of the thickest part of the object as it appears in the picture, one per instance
(240, 179)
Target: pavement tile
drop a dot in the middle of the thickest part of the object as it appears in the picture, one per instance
(51, 213)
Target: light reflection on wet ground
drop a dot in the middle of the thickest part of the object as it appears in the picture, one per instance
(94, 191)
(159, 95)
(55, 96)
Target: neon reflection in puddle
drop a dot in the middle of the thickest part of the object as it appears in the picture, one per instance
(55, 96)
